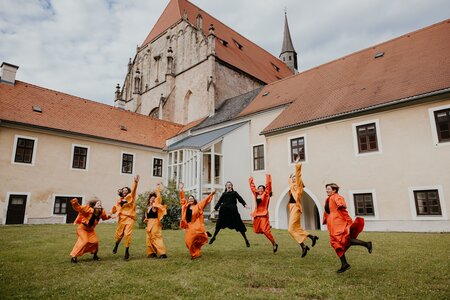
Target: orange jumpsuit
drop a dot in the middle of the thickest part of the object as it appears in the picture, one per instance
(260, 215)
(340, 225)
(295, 209)
(127, 216)
(195, 235)
(155, 243)
(87, 238)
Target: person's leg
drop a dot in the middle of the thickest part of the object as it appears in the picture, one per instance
(247, 243)
(216, 232)
(356, 242)
(119, 235)
(127, 239)
(344, 264)
(305, 249)
(313, 238)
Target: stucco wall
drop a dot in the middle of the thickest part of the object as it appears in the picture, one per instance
(52, 174)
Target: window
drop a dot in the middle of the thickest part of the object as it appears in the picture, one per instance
(60, 207)
(297, 148)
(258, 158)
(24, 151)
(79, 157)
(427, 202)
(363, 204)
(442, 118)
(157, 167)
(127, 163)
(367, 138)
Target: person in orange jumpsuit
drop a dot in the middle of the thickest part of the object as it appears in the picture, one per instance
(260, 215)
(295, 209)
(88, 217)
(343, 231)
(126, 211)
(154, 213)
(192, 221)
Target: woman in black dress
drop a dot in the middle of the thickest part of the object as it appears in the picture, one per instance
(228, 214)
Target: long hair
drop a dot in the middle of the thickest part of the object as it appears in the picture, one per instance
(195, 200)
(149, 197)
(120, 191)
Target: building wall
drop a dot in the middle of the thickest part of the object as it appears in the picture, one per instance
(408, 158)
(52, 175)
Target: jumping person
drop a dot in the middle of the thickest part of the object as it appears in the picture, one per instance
(343, 231)
(154, 213)
(193, 222)
(229, 216)
(295, 209)
(88, 217)
(261, 223)
(126, 211)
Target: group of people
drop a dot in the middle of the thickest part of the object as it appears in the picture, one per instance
(342, 230)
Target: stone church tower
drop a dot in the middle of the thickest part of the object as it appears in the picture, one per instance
(288, 54)
(190, 63)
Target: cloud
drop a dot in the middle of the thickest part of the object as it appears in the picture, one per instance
(82, 47)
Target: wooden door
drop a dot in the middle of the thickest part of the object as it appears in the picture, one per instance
(16, 209)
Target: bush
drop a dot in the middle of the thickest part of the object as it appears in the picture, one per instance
(170, 197)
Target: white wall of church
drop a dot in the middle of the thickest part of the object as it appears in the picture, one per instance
(408, 159)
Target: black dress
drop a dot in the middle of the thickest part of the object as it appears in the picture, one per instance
(229, 216)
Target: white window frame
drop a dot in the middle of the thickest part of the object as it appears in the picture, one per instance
(352, 208)
(442, 203)
(27, 206)
(355, 138)
(252, 158)
(153, 165)
(305, 139)
(64, 216)
(87, 157)
(33, 159)
(121, 163)
(434, 134)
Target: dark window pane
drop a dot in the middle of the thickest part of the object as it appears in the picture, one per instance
(127, 163)
(367, 138)
(79, 158)
(427, 202)
(24, 151)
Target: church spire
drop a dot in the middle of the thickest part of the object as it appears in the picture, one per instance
(288, 54)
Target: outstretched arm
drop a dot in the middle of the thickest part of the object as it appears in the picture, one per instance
(205, 201)
(158, 199)
(219, 203)
(135, 184)
(239, 198)
(183, 200)
(252, 185)
(298, 179)
(77, 207)
(268, 184)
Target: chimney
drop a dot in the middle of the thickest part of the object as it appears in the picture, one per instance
(8, 73)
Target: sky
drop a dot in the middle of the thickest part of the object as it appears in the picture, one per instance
(82, 47)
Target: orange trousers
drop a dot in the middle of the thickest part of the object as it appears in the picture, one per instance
(155, 243)
(87, 241)
(262, 225)
(295, 229)
(195, 239)
(124, 230)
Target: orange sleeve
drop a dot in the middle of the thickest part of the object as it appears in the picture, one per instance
(133, 190)
(182, 198)
(204, 202)
(340, 202)
(105, 216)
(158, 199)
(268, 184)
(76, 206)
(298, 182)
(252, 185)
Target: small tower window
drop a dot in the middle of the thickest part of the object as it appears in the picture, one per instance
(290, 57)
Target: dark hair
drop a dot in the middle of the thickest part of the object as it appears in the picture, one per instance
(270, 195)
(92, 203)
(120, 191)
(195, 200)
(333, 186)
(229, 182)
(149, 197)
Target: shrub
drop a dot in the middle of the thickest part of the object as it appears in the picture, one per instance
(170, 197)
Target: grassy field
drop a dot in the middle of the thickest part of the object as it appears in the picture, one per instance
(35, 263)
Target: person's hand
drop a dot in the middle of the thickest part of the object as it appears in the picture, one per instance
(137, 178)
(297, 159)
(250, 178)
(247, 207)
(213, 192)
(181, 186)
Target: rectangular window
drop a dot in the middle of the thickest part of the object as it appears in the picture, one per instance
(298, 148)
(258, 157)
(61, 205)
(157, 167)
(79, 157)
(427, 203)
(367, 138)
(24, 151)
(127, 163)
(442, 118)
(364, 204)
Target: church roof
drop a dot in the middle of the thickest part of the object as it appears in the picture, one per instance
(238, 52)
(71, 114)
(287, 41)
(410, 65)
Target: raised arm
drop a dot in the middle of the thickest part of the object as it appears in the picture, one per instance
(205, 201)
(183, 200)
(252, 185)
(77, 207)
(268, 184)
(158, 199)
(134, 188)
(298, 180)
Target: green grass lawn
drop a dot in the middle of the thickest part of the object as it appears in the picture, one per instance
(35, 263)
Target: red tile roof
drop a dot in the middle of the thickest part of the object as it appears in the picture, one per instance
(251, 58)
(77, 115)
(412, 64)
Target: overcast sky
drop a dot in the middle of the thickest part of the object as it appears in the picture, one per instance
(81, 47)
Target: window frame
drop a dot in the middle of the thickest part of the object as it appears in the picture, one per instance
(73, 156)
(64, 216)
(442, 203)
(33, 158)
(417, 203)
(433, 125)
(252, 147)
(305, 146)
(352, 208)
(153, 166)
(133, 165)
(356, 139)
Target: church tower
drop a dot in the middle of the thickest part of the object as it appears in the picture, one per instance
(288, 54)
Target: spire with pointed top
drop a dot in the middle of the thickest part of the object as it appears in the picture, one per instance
(288, 54)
